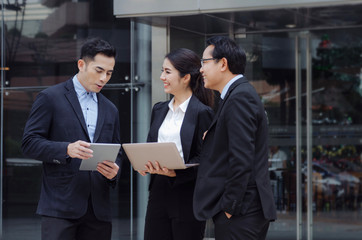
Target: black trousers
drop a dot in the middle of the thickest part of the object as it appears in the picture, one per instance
(252, 226)
(164, 222)
(87, 227)
(173, 229)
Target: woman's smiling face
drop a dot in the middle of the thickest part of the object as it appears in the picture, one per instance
(170, 76)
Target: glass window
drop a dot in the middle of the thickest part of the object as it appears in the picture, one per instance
(337, 132)
(42, 46)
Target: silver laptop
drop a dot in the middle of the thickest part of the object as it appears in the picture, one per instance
(165, 153)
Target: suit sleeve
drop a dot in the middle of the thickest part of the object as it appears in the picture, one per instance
(204, 121)
(35, 143)
(241, 126)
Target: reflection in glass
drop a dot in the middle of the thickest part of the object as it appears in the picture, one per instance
(337, 131)
(42, 43)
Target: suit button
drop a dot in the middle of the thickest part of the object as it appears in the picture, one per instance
(56, 161)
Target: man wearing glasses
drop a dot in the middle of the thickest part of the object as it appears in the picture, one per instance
(233, 185)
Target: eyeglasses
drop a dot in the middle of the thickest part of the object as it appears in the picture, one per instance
(203, 60)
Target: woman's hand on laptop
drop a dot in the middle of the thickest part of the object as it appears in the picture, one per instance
(157, 169)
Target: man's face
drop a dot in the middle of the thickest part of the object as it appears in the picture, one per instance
(210, 70)
(94, 74)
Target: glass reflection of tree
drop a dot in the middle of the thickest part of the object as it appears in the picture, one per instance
(337, 70)
(14, 34)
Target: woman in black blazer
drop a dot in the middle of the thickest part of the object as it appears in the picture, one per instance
(182, 120)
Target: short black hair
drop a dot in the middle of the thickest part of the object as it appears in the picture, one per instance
(94, 46)
(225, 47)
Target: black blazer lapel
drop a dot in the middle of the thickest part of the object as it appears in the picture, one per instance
(159, 114)
(100, 117)
(188, 126)
(71, 95)
(231, 88)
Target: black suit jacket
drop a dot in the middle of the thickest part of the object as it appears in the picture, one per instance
(177, 192)
(55, 120)
(233, 172)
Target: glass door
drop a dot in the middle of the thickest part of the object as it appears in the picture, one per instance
(336, 60)
(271, 69)
(2, 76)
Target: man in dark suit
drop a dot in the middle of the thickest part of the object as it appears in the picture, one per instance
(233, 185)
(63, 121)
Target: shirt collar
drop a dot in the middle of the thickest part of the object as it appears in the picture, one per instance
(80, 90)
(227, 86)
(182, 106)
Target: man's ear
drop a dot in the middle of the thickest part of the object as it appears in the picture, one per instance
(224, 64)
(81, 64)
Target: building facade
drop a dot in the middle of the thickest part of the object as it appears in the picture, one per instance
(304, 59)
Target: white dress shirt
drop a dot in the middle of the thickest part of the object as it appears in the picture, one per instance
(171, 126)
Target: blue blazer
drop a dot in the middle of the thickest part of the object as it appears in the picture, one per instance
(179, 190)
(55, 120)
(233, 174)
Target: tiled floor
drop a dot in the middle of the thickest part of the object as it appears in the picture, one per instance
(29, 229)
(326, 227)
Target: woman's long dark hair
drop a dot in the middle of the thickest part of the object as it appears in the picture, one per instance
(188, 62)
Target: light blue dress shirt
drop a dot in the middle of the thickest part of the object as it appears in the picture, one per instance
(89, 104)
(227, 86)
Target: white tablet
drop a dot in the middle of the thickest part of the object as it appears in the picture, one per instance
(165, 153)
(101, 152)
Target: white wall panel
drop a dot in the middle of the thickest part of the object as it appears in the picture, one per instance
(134, 8)
(233, 5)
(127, 8)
